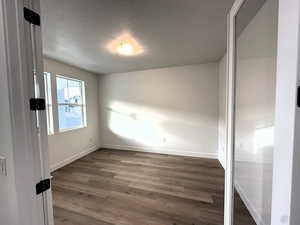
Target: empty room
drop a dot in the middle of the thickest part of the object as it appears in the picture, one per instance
(134, 101)
(138, 112)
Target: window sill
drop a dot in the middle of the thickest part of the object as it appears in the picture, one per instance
(71, 129)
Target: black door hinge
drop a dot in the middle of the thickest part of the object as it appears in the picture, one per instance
(32, 17)
(298, 97)
(37, 104)
(43, 186)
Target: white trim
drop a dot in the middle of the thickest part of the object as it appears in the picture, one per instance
(73, 158)
(70, 129)
(49, 105)
(252, 210)
(162, 151)
(230, 122)
(285, 188)
(68, 77)
(33, 60)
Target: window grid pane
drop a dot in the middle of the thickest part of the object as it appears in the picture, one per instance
(70, 117)
(71, 99)
(74, 92)
(62, 90)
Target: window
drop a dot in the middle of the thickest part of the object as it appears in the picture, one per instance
(71, 103)
(48, 98)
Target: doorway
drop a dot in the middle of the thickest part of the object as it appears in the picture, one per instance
(283, 216)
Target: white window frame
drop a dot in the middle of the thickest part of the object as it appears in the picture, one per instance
(49, 104)
(82, 105)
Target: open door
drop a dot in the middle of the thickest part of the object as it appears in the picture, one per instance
(26, 157)
(253, 54)
(262, 166)
(255, 96)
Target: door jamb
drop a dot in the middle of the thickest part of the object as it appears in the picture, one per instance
(286, 178)
(230, 124)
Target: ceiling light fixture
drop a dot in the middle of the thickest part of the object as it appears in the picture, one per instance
(125, 45)
(125, 49)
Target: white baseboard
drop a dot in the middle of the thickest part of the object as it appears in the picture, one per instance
(73, 158)
(161, 151)
(254, 213)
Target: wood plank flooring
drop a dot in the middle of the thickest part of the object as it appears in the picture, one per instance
(112, 187)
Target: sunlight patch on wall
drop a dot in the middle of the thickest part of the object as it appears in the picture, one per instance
(133, 125)
(263, 137)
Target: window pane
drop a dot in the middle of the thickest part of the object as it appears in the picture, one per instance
(70, 116)
(69, 93)
(74, 92)
(62, 90)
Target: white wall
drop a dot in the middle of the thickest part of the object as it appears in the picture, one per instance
(8, 199)
(255, 112)
(222, 111)
(171, 110)
(66, 146)
(7, 187)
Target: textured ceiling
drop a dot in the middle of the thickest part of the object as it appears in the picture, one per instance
(172, 32)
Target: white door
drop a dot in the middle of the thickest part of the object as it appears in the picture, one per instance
(21, 77)
(263, 156)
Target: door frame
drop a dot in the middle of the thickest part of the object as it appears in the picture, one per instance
(287, 125)
(34, 50)
(286, 176)
(30, 165)
(286, 167)
(230, 121)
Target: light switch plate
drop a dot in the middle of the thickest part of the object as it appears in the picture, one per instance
(3, 170)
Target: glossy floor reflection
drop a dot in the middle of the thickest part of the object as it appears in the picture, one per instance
(133, 188)
(241, 213)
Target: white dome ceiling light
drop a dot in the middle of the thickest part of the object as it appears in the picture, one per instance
(125, 45)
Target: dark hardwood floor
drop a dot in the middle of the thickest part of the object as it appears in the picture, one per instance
(111, 187)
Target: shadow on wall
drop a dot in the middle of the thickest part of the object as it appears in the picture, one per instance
(140, 125)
